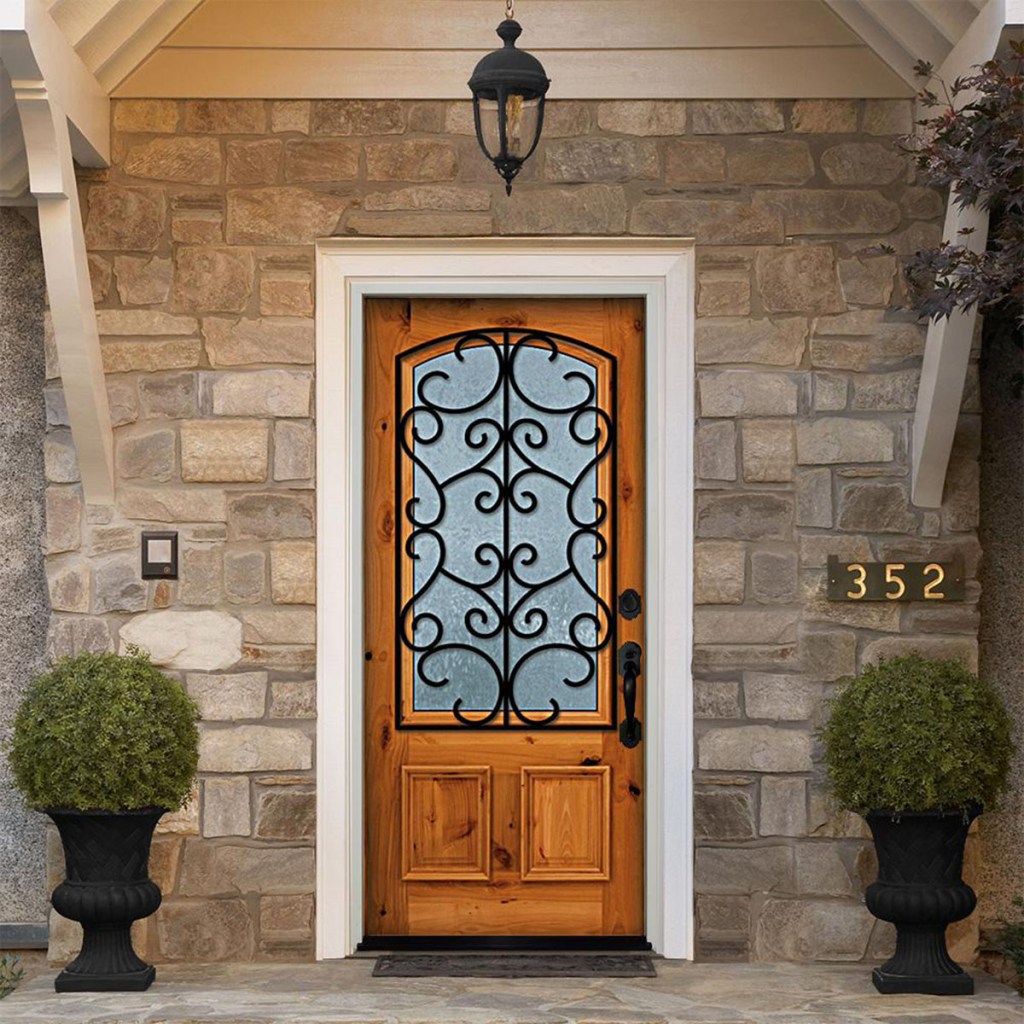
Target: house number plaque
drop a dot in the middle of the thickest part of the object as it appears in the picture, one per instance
(895, 581)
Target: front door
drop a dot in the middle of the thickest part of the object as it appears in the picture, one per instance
(504, 672)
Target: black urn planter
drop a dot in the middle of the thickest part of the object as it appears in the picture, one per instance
(920, 890)
(106, 887)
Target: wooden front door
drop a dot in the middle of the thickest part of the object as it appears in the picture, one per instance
(504, 525)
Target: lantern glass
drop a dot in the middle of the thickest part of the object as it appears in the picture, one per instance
(521, 117)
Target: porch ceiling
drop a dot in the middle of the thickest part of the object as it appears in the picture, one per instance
(599, 49)
(602, 48)
(424, 48)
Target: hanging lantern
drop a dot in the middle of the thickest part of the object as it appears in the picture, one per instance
(508, 88)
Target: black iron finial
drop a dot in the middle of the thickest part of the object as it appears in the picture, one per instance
(509, 31)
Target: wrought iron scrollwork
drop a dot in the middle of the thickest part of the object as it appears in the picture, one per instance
(504, 429)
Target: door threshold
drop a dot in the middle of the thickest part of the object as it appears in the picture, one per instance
(503, 943)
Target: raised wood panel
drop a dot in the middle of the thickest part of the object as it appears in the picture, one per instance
(566, 813)
(460, 908)
(446, 823)
(770, 72)
(470, 24)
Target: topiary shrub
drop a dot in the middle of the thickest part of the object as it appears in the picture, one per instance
(105, 732)
(912, 734)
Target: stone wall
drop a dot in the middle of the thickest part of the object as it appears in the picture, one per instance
(201, 249)
(22, 571)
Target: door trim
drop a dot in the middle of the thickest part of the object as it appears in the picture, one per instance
(662, 272)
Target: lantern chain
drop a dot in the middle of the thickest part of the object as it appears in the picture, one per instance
(510, 9)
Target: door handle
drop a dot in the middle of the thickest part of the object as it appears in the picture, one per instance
(630, 730)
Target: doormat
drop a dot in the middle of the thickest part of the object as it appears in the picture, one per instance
(515, 965)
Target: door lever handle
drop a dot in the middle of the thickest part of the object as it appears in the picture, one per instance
(630, 730)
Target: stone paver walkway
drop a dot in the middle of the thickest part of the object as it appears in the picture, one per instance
(342, 992)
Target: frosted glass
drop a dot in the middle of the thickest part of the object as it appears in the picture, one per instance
(504, 442)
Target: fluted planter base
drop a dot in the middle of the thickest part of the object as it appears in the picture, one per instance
(136, 981)
(961, 984)
(106, 963)
(107, 888)
(921, 891)
(922, 964)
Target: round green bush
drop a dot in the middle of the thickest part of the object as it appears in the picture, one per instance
(912, 734)
(105, 732)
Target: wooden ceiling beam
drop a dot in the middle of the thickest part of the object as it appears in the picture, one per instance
(77, 18)
(860, 18)
(950, 17)
(147, 36)
(995, 21)
(114, 30)
(916, 33)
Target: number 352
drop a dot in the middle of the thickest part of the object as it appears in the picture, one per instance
(894, 581)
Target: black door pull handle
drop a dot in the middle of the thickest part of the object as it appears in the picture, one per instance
(630, 730)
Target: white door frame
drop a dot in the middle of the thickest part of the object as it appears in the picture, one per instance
(662, 272)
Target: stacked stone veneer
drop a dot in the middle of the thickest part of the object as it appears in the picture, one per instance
(201, 248)
(23, 625)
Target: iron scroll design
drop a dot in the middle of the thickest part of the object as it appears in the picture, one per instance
(523, 605)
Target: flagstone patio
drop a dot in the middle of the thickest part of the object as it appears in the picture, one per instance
(343, 991)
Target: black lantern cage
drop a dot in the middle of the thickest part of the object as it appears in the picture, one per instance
(508, 87)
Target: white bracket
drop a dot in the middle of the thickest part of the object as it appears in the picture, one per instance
(948, 346)
(33, 49)
(947, 352)
(52, 182)
(65, 115)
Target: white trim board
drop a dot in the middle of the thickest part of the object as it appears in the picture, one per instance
(662, 272)
(713, 73)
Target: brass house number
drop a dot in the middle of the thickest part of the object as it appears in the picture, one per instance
(895, 581)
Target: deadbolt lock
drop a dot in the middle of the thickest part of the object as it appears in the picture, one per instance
(630, 604)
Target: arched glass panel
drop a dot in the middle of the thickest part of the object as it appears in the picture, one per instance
(505, 555)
